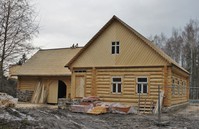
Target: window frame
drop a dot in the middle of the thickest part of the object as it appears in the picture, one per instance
(112, 82)
(173, 87)
(115, 47)
(184, 88)
(142, 85)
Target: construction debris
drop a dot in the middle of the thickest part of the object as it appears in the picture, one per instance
(97, 110)
(40, 93)
(81, 108)
(64, 103)
(93, 105)
(7, 100)
(24, 96)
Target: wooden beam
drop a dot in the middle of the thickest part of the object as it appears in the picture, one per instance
(167, 84)
(94, 87)
(187, 88)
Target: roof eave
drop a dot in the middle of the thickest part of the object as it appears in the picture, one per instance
(41, 75)
(180, 68)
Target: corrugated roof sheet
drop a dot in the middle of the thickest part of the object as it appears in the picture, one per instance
(49, 62)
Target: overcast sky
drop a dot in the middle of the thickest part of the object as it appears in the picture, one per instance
(64, 22)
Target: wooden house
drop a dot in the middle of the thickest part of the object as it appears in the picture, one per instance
(120, 65)
(46, 68)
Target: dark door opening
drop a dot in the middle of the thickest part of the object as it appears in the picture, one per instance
(61, 89)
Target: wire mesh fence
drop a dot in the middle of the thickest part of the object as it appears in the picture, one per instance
(194, 95)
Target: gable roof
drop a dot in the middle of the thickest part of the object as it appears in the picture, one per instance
(149, 43)
(48, 62)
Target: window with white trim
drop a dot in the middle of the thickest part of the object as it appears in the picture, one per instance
(116, 85)
(115, 47)
(142, 85)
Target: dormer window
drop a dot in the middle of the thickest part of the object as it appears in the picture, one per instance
(116, 47)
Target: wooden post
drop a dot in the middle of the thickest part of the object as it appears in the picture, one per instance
(139, 103)
(167, 86)
(94, 87)
(159, 107)
(72, 90)
(187, 88)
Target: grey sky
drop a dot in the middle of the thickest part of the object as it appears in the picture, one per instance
(64, 22)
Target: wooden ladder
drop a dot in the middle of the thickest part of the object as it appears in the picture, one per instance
(147, 105)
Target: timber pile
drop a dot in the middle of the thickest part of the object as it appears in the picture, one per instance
(40, 93)
(7, 100)
(93, 105)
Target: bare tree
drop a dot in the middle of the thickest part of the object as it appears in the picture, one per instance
(183, 47)
(174, 46)
(191, 39)
(159, 40)
(17, 27)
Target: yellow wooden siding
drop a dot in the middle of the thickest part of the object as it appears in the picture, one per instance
(104, 88)
(133, 51)
(29, 83)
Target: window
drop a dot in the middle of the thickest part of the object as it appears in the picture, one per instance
(184, 88)
(178, 87)
(142, 85)
(173, 87)
(116, 85)
(115, 47)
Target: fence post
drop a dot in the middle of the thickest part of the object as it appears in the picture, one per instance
(139, 103)
(159, 110)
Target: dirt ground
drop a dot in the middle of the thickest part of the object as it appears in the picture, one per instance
(53, 118)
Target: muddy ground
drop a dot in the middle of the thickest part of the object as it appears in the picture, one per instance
(46, 118)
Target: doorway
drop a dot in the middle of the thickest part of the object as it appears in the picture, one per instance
(62, 89)
(79, 86)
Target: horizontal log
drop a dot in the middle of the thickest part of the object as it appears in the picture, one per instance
(103, 83)
(103, 80)
(103, 86)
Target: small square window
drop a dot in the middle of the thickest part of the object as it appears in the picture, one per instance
(115, 48)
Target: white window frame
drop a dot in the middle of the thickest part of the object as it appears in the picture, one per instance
(142, 85)
(116, 92)
(115, 47)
